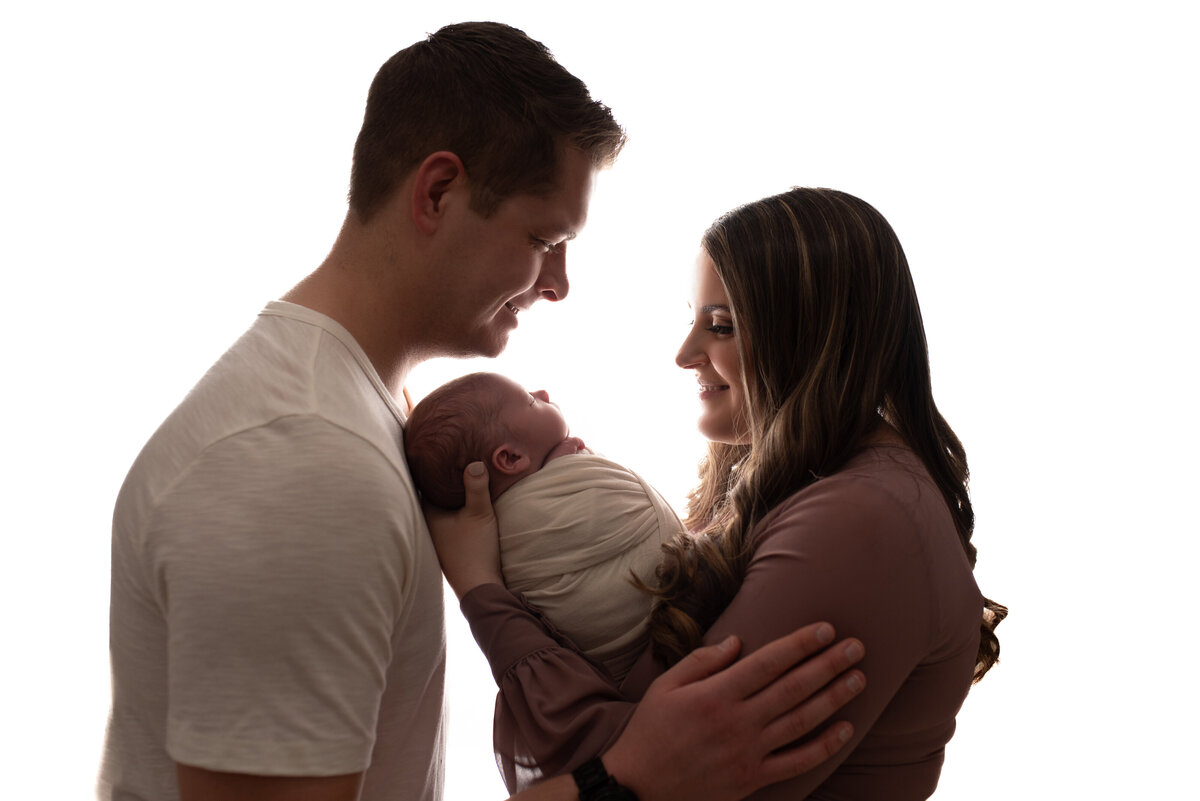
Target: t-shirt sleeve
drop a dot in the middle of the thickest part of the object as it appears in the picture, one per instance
(279, 567)
(554, 709)
(849, 553)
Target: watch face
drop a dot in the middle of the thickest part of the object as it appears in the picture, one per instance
(609, 792)
(595, 784)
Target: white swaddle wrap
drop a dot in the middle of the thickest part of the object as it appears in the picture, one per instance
(569, 536)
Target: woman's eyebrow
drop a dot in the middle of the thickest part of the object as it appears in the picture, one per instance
(714, 307)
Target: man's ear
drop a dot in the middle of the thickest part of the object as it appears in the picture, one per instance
(509, 459)
(436, 176)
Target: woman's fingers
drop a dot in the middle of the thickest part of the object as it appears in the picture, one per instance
(479, 500)
(467, 540)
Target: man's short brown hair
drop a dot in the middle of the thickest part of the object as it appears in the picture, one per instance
(487, 93)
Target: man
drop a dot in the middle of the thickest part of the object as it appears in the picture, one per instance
(277, 619)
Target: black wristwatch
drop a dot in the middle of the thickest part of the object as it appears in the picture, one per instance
(595, 784)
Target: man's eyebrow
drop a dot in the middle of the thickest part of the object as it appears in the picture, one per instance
(551, 231)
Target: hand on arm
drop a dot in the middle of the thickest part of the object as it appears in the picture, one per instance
(467, 540)
(840, 554)
(709, 730)
(722, 729)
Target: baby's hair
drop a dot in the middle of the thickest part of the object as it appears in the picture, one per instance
(456, 424)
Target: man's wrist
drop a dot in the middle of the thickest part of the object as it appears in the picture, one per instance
(596, 784)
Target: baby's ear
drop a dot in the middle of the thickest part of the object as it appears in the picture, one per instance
(509, 460)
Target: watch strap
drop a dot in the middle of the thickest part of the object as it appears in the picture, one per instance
(595, 783)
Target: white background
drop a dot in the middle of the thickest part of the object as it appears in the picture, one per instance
(168, 168)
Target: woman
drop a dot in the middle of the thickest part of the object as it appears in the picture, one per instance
(832, 490)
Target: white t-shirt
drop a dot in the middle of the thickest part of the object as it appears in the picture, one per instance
(276, 599)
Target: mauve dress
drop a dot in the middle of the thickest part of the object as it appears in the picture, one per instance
(871, 549)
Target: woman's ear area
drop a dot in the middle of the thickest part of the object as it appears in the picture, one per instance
(509, 459)
(434, 178)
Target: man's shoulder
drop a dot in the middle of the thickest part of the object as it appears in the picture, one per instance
(299, 466)
(284, 400)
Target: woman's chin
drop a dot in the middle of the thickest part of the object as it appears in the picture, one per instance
(718, 430)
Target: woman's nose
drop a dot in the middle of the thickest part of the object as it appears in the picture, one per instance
(689, 356)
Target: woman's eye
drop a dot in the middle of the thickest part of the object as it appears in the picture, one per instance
(722, 330)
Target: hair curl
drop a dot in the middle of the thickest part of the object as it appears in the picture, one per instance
(830, 341)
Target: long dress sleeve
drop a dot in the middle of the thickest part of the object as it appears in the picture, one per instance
(555, 709)
(871, 549)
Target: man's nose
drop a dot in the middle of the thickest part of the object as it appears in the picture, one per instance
(552, 283)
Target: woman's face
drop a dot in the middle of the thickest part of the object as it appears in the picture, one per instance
(711, 350)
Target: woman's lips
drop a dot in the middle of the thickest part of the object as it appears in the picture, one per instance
(711, 390)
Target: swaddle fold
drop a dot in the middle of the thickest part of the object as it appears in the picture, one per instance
(570, 535)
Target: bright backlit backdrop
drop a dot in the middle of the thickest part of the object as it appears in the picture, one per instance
(168, 168)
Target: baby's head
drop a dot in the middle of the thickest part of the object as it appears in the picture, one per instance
(482, 417)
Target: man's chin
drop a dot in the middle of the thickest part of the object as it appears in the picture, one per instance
(487, 340)
(490, 345)
(492, 352)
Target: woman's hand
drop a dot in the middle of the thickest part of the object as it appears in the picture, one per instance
(467, 540)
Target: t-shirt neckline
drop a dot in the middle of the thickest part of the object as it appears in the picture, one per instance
(303, 314)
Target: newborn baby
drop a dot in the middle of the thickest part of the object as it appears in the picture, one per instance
(574, 527)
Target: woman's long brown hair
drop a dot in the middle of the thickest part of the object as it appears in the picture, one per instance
(830, 341)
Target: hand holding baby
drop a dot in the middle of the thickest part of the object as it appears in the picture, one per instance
(503, 433)
(467, 540)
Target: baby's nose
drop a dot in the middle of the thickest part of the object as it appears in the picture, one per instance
(542, 395)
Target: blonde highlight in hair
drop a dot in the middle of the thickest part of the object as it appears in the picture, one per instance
(831, 343)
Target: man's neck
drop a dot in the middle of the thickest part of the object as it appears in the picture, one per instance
(360, 285)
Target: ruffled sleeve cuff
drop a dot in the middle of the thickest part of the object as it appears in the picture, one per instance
(555, 709)
(509, 630)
